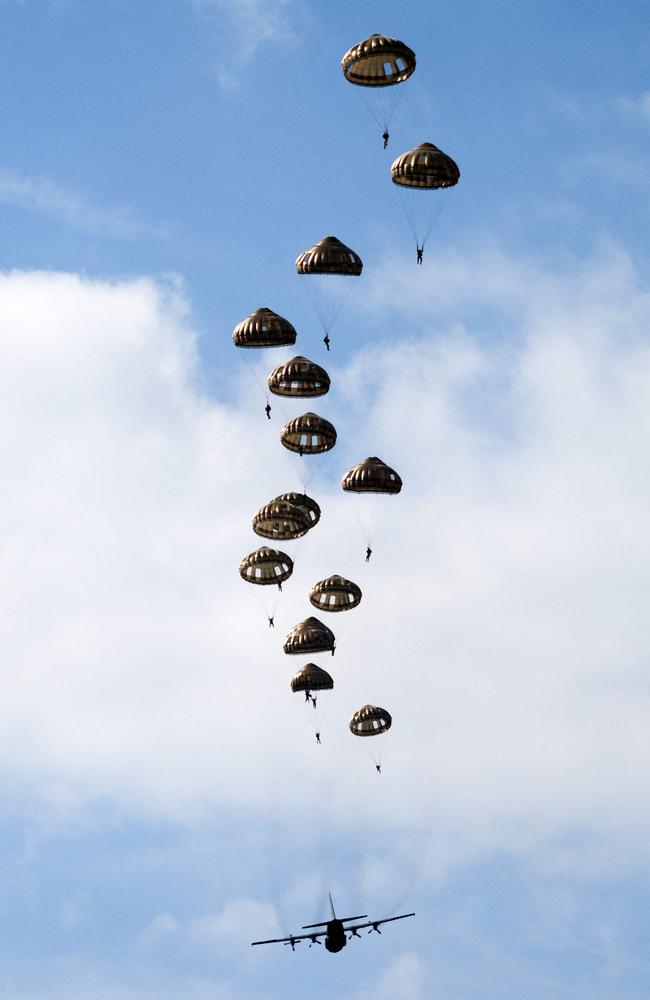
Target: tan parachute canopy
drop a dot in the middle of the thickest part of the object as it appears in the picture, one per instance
(264, 328)
(308, 434)
(309, 636)
(370, 721)
(335, 594)
(378, 61)
(371, 476)
(308, 506)
(311, 678)
(329, 256)
(425, 167)
(266, 566)
(281, 519)
(299, 377)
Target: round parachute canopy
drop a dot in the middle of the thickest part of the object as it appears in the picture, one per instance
(308, 506)
(299, 377)
(266, 566)
(281, 519)
(264, 328)
(311, 678)
(371, 476)
(378, 61)
(308, 434)
(329, 256)
(335, 594)
(370, 721)
(425, 167)
(310, 636)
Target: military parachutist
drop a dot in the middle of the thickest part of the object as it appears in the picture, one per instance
(419, 251)
(318, 738)
(368, 554)
(326, 341)
(271, 621)
(378, 768)
(385, 137)
(267, 409)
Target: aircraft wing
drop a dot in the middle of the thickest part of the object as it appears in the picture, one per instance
(292, 939)
(374, 924)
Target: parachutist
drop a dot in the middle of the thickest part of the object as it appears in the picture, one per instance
(271, 621)
(419, 251)
(267, 409)
(307, 696)
(326, 341)
(385, 137)
(368, 554)
(318, 738)
(378, 768)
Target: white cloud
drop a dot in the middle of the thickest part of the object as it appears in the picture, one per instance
(249, 26)
(504, 622)
(638, 106)
(51, 199)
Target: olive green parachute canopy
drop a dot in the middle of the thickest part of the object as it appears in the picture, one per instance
(371, 476)
(329, 256)
(264, 328)
(281, 519)
(378, 61)
(311, 678)
(425, 167)
(308, 434)
(299, 377)
(309, 636)
(309, 507)
(266, 566)
(335, 594)
(370, 721)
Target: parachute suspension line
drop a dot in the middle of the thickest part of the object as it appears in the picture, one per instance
(382, 103)
(329, 294)
(422, 209)
(262, 386)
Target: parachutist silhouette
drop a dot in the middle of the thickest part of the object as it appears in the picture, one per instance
(326, 341)
(368, 554)
(307, 696)
(271, 621)
(378, 768)
(267, 409)
(318, 738)
(419, 251)
(385, 137)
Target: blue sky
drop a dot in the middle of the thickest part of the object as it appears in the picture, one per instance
(163, 801)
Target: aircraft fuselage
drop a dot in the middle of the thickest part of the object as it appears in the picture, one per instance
(335, 939)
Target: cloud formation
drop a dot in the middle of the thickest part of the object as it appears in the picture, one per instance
(504, 617)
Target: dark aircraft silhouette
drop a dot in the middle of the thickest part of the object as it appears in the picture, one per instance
(335, 933)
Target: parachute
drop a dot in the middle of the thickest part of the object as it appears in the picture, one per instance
(335, 594)
(299, 377)
(418, 174)
(309, 636)
(281, 519)
(370, 721)
(328, 268)
(378, 64)
(311, 678)
(371, 476)
(308, 506)
(265, 567)
(264, 328)
(308, 434)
